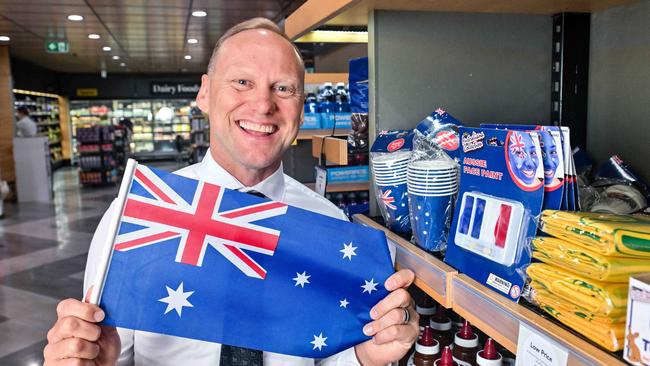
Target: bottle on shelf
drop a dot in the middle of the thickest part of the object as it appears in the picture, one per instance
(441, 325)
(445, 359)
(425, 309)
(427, 349)
(342, 98)
(489, 356)
(465, 346)
(311, 104)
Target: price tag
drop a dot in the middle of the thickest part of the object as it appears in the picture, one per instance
(534, 349)
(321, 180)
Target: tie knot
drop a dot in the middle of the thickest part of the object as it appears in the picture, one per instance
(254, 193)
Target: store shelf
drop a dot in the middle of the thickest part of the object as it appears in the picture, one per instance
(308, 134)
(495, 315)
(342, 187)
(321, 78)
(315, 13)
(432, 275)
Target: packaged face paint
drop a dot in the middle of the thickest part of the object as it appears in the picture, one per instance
(442, 128)
(499, 202)
(550, 139)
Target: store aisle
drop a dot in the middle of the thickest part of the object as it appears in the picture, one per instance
(43, 250)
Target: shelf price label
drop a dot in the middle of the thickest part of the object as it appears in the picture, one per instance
(534, 349)
(321, 180)
(57, 47)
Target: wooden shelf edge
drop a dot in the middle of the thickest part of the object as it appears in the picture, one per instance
(309, 134)
(431, 274)
(499, 318)
(313, 14)
(320, 78)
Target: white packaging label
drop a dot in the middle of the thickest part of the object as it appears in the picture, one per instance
(534, 349)
(499, 283)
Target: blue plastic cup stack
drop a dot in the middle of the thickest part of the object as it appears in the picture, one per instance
(432, 186)
(389, 171)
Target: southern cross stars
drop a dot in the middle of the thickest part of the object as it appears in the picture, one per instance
(370, 286)
(348, 251)
(177, 299)
(301, 279)
(319, 341)
(344, 303)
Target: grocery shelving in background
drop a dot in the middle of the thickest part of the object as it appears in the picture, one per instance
(46, 111)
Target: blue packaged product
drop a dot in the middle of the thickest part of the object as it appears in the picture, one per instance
(312, 113)
(556, 177)
(358, 85)
(444, 129)
(498, 206)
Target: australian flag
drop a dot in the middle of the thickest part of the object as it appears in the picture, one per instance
(195, 260)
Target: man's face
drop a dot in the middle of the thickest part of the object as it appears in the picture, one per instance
(254, 97)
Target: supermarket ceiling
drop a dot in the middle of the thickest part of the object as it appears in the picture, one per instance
(143, 35)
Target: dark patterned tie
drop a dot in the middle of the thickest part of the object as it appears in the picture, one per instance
(238, 356)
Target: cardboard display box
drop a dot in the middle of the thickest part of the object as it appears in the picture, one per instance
(335, 150)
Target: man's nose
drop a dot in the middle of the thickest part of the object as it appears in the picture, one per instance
(263, 101)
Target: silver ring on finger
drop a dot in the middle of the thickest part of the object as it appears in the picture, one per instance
(407, 315)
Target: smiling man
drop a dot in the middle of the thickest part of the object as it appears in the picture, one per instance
(253, 93)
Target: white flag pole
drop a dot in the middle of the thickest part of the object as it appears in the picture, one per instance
(107, 249)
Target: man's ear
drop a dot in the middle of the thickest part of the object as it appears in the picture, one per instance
(203, 97)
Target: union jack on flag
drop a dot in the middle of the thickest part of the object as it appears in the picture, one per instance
(200, 223)
(388, 200)
(516, 143)
(196, 260)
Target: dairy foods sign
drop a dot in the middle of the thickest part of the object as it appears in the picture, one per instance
(175, 88)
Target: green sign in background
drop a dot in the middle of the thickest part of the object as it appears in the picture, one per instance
(57, 46)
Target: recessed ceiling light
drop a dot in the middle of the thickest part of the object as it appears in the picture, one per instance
(75, 17)
(5, 38)
(199, 13)
(106, 48)
(122, 64)
(94, 36)
(116, 57)
(188, 57)
(192, 40)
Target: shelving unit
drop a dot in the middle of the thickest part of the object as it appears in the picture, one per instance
(199, 135)
(45, 111)
(492, 313)
(342, 187)
(309, 134)
(97, 159)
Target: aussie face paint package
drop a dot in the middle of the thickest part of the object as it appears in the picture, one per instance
(442, 128)
(498, 207)
(389, 158)
(550, 139)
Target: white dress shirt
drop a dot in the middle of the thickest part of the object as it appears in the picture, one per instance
(26, 127)
(144, 348)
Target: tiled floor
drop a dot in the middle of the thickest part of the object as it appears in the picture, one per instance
(43, 250)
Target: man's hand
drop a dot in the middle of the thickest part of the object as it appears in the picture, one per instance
(391, 336)
(76, 339)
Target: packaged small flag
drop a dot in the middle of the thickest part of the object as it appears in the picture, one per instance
(195, 260)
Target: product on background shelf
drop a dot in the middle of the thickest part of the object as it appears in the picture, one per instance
(591, 295)
(445, 358)
(442, 128)
(607, 234)
(488, 356)
(425, 309)
(441, 326)
(577, 258)
(557, 174)
(427, 349)
(465, 346)
(389, 157)
(501, 191)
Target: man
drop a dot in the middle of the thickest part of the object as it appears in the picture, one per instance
(25, 126)
(253, 93)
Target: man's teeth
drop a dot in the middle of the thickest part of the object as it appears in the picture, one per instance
(257, 127)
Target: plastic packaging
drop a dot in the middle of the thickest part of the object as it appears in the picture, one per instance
(432, 182)
(500, 200)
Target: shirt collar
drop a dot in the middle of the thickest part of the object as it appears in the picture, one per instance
(273, 187)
